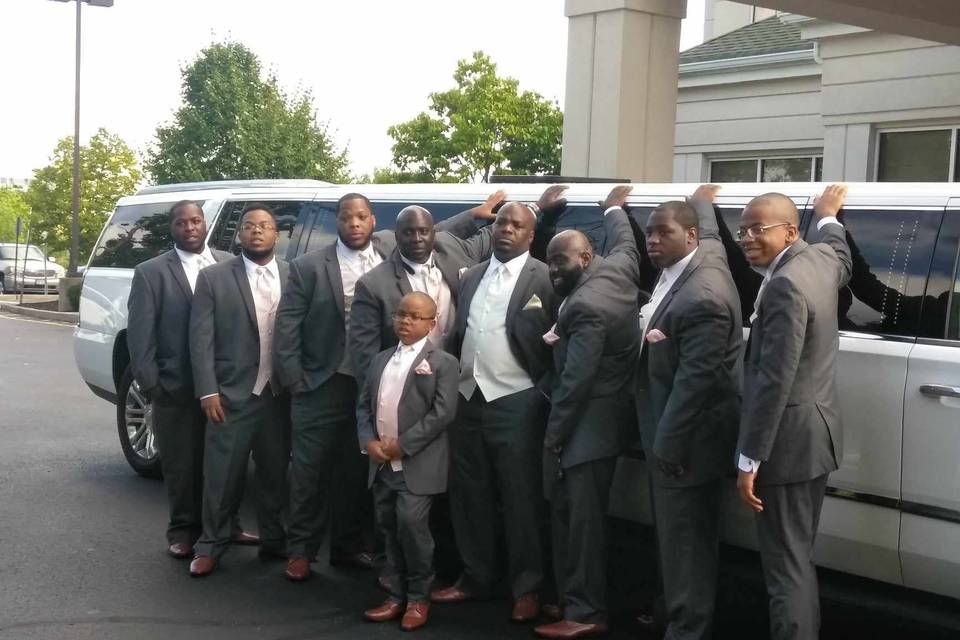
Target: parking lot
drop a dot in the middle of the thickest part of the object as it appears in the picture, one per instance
(82, 546)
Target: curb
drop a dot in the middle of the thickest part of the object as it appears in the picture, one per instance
(65, 317)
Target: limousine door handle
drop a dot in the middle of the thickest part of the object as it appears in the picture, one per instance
(940, 390)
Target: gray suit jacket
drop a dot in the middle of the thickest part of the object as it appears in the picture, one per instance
(311, 324)
(378, 293)
(689, 385)
(596, 355)
(525, 326)
(791, 413)
(427, 405)
(158, 320)
(224, 340)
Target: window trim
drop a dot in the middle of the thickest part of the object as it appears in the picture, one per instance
(954, 152)
(758, 159)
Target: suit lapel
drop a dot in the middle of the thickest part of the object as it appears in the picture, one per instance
(695, 262)
(450, 273)
(332, 264)
(427, 350)
(519, 295)
(283, 267)
(400, 271)
(470, 285)
(793, 250)
(176, 267)
(240, 273)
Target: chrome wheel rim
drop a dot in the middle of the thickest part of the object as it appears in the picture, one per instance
(138, 414)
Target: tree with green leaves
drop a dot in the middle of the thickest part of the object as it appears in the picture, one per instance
(235, 123)
(483, 126)
(109, 169)
(12, 206)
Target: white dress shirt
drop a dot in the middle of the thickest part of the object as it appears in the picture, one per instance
(194, 262)
(744, 463)
(668, 277)
(353, 265)
(494, 369)
(265, 286)
(426, 278)
(392, 381)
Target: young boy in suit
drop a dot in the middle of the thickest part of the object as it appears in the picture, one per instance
(405, 405)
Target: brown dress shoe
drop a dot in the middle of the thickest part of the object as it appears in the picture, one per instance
(389, 610)
(244, 537)
(180, 550)
(526, 608)
(298, 569)
(570, 629)
(552, 611)
(202, 566)
(450, 594)
(415, 616)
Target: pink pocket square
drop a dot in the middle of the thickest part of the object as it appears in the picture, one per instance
(423, 369)
(550, 336)
(655, 335)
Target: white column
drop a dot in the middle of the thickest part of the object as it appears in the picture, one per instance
(621, 103)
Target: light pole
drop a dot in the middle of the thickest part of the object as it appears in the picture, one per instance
(75, 222)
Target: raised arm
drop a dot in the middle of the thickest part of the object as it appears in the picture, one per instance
(826, 209)
(467, 223)
(142, 333)
(709, 228)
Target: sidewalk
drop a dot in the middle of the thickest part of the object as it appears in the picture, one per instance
(33, 308)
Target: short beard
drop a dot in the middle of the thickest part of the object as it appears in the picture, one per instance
(257, 255)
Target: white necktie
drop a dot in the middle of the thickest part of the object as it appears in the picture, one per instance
(263, 289)
(366, 263)
(497, 285)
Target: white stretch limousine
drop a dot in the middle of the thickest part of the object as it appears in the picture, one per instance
(893, 508)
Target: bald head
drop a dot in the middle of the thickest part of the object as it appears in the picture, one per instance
(768, 225)
(513, 231)
(415, 234)
(781, 207)
(568, 256)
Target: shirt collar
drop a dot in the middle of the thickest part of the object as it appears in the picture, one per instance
(776, 261)
(416, 267)
(414, 348)
(251, 267)
(343, 251)
(189, 256)
(673, 272)
(513, 265)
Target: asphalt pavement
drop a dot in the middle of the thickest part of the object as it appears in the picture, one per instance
(82, 548)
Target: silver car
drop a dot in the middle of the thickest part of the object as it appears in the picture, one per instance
(26, 267)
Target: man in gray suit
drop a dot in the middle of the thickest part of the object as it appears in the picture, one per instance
(157, 338)
(231, 342)
(594, 345)
(313, 362)
(688, 401)
(506, 305)
(790, 431)
(409, 398)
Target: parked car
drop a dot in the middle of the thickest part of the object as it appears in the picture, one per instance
(27, 267)
(892, 512)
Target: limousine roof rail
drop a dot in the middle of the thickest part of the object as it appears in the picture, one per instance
(494, 179)
(230, 184)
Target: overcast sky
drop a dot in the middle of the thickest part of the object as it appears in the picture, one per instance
(369, 63)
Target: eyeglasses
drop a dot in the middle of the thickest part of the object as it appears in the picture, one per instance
(263, 226)
(413, 317)
(756, 231)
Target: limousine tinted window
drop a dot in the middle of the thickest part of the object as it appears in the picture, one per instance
(135, 233)
(224, 236)
(891, 251)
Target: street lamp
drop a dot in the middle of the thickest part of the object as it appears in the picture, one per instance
(75, 223)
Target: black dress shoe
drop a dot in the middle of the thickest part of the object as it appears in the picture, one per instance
(361, 560)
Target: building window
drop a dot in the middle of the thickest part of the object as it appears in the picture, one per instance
(919, 155)
(792, 169)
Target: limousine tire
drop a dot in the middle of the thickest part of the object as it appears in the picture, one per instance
(135, 428)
